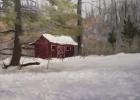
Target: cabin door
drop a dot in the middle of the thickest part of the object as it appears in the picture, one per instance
(60, 52)
(53, 51)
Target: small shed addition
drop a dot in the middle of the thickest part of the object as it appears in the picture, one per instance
(49, 46)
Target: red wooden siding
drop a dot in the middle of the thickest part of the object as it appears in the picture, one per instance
(46, 49)
(42, 48)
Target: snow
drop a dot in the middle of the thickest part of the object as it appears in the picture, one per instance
(114, 77)
(60, 39)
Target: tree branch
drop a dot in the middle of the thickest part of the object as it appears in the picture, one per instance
(8, 31)
(12, 48)
(31, 63)
(1, 53)
(6, 49)
(8, 54)
(27, 48)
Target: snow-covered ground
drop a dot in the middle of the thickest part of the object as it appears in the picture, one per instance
(115, 77)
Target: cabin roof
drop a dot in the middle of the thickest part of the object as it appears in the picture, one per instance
(60, 39)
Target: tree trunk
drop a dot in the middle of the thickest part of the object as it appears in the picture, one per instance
(100, 9)
(116, 13)
(125, 8)
(111, 14)
(15, 61)
(105, 11)
(130, 42)
(113, 48)
(79, 24)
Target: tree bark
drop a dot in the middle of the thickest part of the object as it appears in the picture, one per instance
(15, 61)
(116, 13)
(125, 8)
(100, 9)
(79, 24)
(105, 11)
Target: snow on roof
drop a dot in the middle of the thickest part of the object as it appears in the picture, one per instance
(60, 39)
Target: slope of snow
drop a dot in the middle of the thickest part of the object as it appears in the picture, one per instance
(115, 77)
(60, 39)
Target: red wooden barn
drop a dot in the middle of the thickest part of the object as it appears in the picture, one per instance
(49, 46)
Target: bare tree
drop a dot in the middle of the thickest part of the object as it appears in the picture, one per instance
(79, 24)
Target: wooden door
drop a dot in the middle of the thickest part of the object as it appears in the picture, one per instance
(60, 52)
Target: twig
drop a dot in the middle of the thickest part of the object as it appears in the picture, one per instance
(5, 66)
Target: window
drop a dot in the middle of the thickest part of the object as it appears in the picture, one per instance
(53, 47)
(68, 48)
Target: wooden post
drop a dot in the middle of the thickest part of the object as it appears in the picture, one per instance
(48, 63)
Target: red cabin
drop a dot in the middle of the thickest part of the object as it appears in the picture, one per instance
(49, 46)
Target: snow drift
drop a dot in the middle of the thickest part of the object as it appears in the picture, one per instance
(115, 77)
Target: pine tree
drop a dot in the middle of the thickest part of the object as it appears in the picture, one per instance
(60, 18)
(112, 39)
(130, 30)
(15, 61)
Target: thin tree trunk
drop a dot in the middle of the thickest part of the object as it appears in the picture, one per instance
(111, 19)
(100, 9)
(113, 48)
(105, 11)
(15, 61)
(79, 24)
(116, 12)
(125, 8)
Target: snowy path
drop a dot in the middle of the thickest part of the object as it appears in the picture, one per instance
(115, 77)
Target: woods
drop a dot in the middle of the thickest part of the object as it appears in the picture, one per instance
(112, 16)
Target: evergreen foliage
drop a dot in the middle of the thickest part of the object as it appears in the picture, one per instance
(130, 30)
(61, 18)
(112, 39)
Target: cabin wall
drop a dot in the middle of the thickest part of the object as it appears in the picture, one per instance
(42, 47)
(69, 50)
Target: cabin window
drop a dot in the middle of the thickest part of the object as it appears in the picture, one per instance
(53, 47)
(68, 48)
